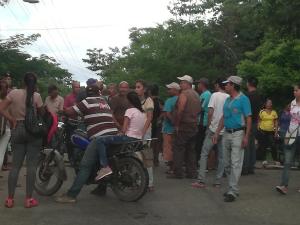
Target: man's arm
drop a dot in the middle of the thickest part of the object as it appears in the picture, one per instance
(248, 130)
(217, 133)
(182, 100)
(210, 114)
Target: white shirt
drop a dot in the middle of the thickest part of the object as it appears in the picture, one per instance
(216, 102)
(295, 119)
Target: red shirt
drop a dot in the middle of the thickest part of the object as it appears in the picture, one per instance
(70, 100)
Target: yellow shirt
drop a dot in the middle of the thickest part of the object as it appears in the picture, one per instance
(267, 120)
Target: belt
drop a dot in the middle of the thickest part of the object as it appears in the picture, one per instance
(234, 130)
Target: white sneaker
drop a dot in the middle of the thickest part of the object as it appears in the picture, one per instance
(103, 172)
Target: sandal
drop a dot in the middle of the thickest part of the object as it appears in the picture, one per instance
(30, 202)
(9, 202)
(198, 185)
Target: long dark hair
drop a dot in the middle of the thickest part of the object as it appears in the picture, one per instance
(3, 89)
(145, 86)
(134, 100)
(30, 81)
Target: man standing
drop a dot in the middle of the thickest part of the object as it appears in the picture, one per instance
(70, 99)
(215, 113)
(203, 119)
(256, 102)
(119, 103)
(186, 115)
(168, 124)
(236, 119)
(54, 102)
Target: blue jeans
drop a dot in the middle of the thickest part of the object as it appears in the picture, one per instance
(207, 147)
(289, 156)
(103, 141)
(89, 161)
(233, 158)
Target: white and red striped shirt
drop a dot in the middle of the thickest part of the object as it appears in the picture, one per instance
(97, 116)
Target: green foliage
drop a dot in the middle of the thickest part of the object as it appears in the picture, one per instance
(17, 63)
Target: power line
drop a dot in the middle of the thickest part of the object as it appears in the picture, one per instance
(58, 28)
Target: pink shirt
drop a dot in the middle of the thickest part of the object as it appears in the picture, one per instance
(136, 124)
(70, 100)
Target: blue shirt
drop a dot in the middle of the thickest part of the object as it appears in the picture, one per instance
(169, 106)
(204, 99)
(235, 110)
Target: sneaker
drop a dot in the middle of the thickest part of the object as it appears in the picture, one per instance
(9, 202)
(30, 202)
(103, 172)
(198, 184)
(65, 199)
(282, 189)
(229, 198)
(264, 164)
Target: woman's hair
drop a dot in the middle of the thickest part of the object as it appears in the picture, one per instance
(3, 89)
(142, 82)
(134, 100)
(30, 81)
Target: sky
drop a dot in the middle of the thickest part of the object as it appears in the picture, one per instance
(86, 24)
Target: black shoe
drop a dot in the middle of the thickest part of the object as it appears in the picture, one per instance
(251, 172)
(229, 198)
(99, 191)
(245, 172)
(226, 193)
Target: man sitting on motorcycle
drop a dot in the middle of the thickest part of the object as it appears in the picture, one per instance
(100, 122)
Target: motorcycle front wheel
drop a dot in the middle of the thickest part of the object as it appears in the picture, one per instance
(47, 180)
(130, 180)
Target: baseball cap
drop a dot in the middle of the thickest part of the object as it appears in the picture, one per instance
(186, 78)
(173, 85)
(233, 79)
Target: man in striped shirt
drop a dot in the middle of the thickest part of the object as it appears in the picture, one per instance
(100, 122)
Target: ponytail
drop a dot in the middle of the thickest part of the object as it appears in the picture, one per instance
(134, 100)
(30, 81)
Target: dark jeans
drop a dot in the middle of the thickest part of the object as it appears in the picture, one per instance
(183, 150)
(89, 162)
(266, 139)
(104, 141)
(289, 157)
(23, 144)
(199, 141)
(250, 151)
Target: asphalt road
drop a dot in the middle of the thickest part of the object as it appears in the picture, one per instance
(174, 202)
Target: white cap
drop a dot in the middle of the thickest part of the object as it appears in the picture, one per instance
(186, 78)
(234, 79)
(173, 85)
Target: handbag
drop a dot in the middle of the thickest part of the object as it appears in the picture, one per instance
(290, 136)
(34, 124)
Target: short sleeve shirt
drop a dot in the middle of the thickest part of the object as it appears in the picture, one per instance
(136, 124)
(54, 105)
(70, 100)
(204, 99)
(295, 117)
(17, 107)
(216, 102)
(168, 127)
(235, 110)
(267, 120)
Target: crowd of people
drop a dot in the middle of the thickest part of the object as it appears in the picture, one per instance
(192, 127)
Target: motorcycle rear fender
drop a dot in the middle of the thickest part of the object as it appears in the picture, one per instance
(60, 162)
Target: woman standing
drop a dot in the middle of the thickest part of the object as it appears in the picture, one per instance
(23, 143)
(4, 125)
(148, 107)
(268, 130)
(292, 141)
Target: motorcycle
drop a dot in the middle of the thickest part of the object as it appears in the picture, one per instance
(129, 180)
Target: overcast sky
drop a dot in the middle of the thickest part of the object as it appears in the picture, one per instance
(88, 23)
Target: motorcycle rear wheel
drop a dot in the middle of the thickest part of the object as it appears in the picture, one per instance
(130, 182)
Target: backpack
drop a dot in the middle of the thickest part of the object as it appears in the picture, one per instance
(33, 122)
